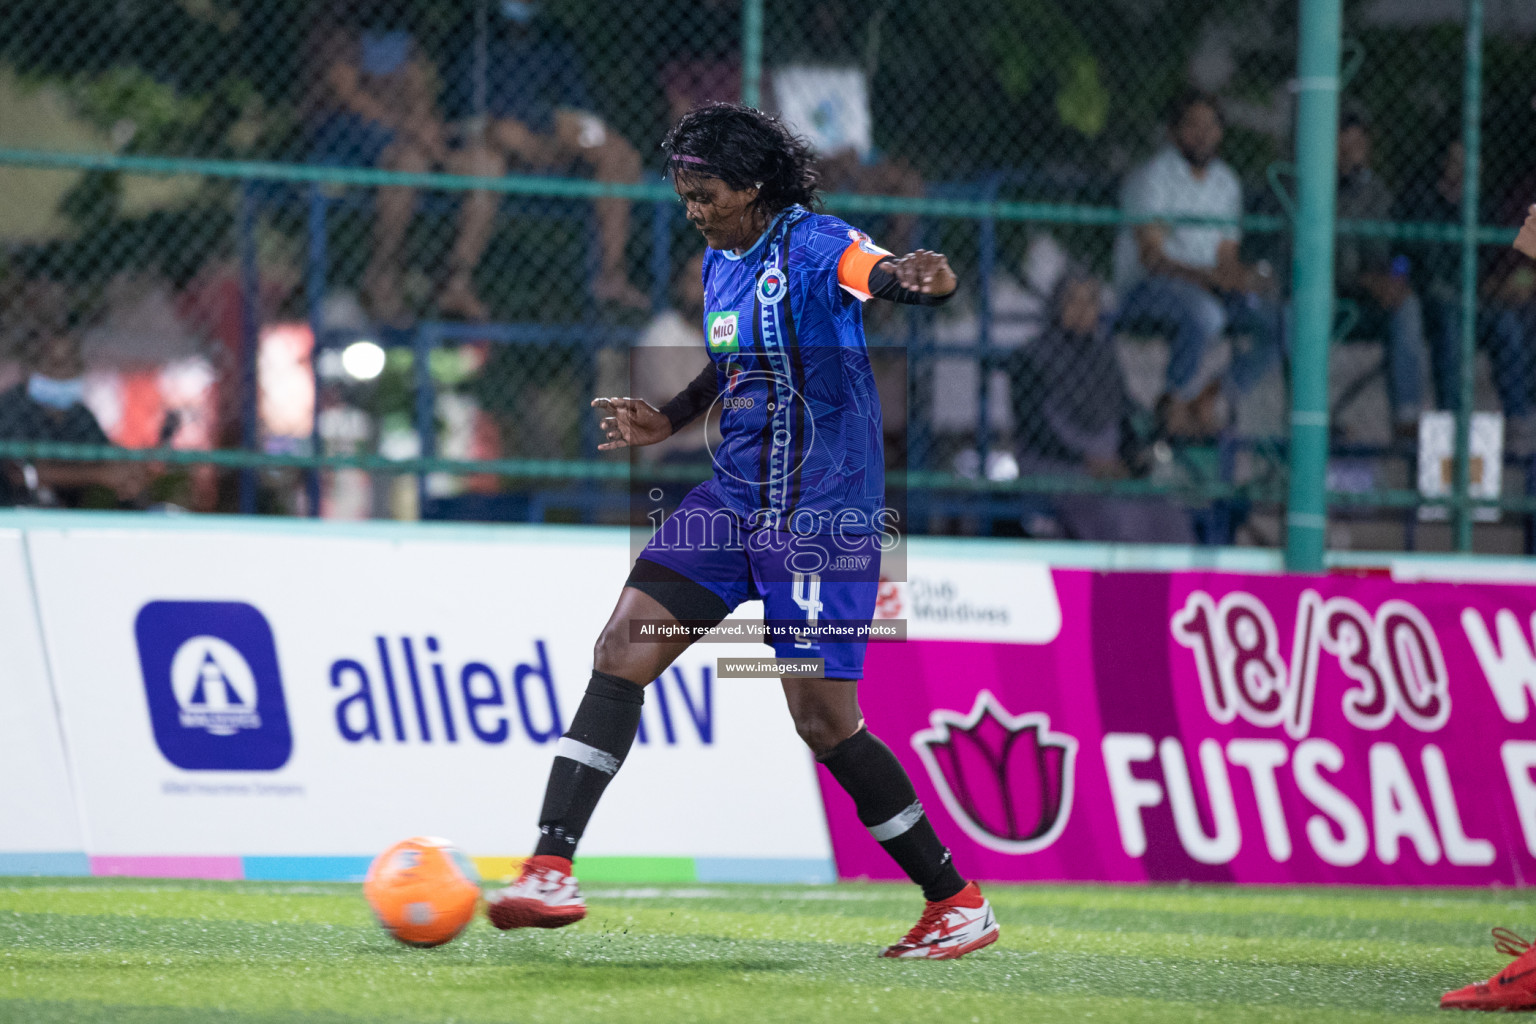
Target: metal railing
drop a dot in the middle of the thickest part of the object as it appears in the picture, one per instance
(1294, 477)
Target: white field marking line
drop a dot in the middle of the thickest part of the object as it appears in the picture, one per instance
(826, 893)
(172, 885)
(653, 893)
(339, 889)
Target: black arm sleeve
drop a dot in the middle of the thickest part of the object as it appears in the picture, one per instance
(883, 285)
(694, 399)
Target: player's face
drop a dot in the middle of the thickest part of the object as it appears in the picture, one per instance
(725, 216)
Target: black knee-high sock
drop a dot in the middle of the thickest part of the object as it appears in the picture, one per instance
(588, 755)
(888, 806)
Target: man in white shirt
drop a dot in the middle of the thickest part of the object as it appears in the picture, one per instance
(828, 104)
(1186, 279)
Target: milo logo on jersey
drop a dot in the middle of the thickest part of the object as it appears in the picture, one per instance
(722, 333)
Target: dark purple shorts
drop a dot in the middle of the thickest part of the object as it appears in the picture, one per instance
(817, 585)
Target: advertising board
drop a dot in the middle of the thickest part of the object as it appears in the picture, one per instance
(240, 701)
(237, 702)
(39, 826)
(1224, 727)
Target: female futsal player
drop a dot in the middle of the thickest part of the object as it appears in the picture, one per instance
(793, 515)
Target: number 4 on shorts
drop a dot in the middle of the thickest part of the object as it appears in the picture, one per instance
(807, 595)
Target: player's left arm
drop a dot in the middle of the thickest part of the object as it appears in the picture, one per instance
(920, 278)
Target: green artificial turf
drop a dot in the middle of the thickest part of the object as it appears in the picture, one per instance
(148, 951)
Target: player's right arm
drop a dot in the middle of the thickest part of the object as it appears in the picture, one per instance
(634, 422)
(630, 423)
(689, 403)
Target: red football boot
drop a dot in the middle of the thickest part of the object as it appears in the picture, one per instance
(545, 895)
(950, 928)
(1513, 988)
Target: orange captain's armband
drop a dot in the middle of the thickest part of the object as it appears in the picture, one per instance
(856, 262)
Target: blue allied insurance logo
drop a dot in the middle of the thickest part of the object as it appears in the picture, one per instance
(215, 693)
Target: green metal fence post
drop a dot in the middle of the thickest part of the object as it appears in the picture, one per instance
(751, 52)
(1317, 125)
(1472, 141)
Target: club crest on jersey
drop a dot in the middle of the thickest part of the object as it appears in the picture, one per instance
(772, 286)
(721, 331)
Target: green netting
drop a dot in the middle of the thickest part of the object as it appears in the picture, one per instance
(227, 204)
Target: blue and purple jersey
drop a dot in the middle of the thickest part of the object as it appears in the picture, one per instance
(799, 413)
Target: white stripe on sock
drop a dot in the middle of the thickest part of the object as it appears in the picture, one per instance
(585, 753)
(899, 824)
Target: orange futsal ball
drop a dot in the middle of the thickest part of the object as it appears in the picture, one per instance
(423, 890)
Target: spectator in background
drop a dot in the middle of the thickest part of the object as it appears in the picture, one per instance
(1017, 302)
(665, 360)
(707, 68)
(1366, 273)
(1187, 279)
(824, 94)
(1525, 241)
(372, 102)
(821, 90)
(530, 103)
(1435, 275)
(830, 107)
(49, 406)
(1070, 409)
(679, 328)
(1513, 270)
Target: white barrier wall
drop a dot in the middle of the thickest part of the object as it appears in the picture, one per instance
(249, 695)
(39, 826)
(281, 699)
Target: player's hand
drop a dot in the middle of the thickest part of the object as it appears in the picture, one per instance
(1525, 241)
(924, 271)
(630, 423)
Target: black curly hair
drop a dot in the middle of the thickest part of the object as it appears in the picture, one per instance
(745, 148)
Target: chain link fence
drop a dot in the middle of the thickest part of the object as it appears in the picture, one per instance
(374, 258)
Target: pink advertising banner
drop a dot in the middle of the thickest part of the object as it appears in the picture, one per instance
(1221, 727)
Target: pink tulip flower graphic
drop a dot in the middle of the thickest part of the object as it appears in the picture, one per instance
(1005, 779)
